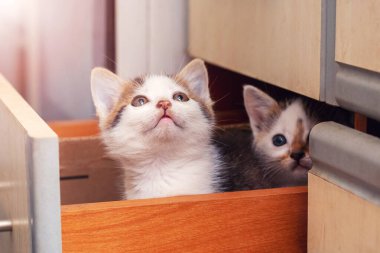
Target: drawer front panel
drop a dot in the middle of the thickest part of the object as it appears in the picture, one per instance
(259, 221)
(358, 33)
(275, 41)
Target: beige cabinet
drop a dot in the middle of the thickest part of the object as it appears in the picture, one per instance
(326, 50)
(279, 42)
(358, 33)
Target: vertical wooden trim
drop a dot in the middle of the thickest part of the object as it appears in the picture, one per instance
(110, 35)
(99, 27)
(104, 34)
(360, 122)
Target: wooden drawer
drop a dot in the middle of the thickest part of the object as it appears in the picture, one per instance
(258, 220)
(275, 41)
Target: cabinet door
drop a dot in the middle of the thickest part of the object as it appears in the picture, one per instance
(275, 41)
(357, 52)
(358, 33)
(29, 178)
(344, 191)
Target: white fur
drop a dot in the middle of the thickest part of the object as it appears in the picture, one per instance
(162, 158)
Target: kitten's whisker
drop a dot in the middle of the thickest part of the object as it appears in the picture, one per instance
(216, 101)
(110, 60)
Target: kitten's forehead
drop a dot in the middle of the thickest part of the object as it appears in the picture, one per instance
(293, 112)
(159, 86)
(290, 119)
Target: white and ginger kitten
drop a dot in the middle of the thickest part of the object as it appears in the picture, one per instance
(275, 153)
(159, 128)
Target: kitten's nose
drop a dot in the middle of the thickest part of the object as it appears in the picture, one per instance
(164, 104)
(298, 155)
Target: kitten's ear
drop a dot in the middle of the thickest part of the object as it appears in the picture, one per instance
(258, 105)
(105, 89)
(195, 74)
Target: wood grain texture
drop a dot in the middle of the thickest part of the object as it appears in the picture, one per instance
(75, 128)
(257, 221)
(358, 33)
(29, 186)
(274, 41)
(87, 173)
(340, 221)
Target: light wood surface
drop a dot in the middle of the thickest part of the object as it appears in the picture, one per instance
(358, 33)
(29, 179)
(258, 221)
(339, 221)
(275, 41)
(75, 128)
(87, 173)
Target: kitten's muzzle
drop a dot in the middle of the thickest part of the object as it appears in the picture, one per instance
(164, 104)
(298, 155)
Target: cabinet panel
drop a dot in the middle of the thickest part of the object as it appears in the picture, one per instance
(275, 41)
(358, 33)
(340, 221)
(29, 177)
(343, 190)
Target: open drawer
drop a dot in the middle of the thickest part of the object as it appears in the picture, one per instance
(271, 220)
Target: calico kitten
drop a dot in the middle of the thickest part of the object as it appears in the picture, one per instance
(274, 153)
(159, 128)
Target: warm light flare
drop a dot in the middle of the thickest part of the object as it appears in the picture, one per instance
(9, 9)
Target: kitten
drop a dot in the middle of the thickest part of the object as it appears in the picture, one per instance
(274, 153)
(159, 128)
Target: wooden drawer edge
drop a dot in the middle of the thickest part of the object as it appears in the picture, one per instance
(265, 220)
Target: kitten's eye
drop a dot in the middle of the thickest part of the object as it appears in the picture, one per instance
(279, 140)
(180, 96)
(139, 101)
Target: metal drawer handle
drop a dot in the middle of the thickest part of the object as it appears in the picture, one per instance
(5, 226)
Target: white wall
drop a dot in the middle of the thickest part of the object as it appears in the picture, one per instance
(11, 35)
(69, 48)
(48, 47)
(48, 50)
(151, 36)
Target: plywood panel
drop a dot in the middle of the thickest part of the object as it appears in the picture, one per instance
(340, 221)
(275, 41)
(87, 173)
(358, 33)
(258, 221)
(29, 179)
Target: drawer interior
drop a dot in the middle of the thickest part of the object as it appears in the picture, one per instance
(93, 218)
